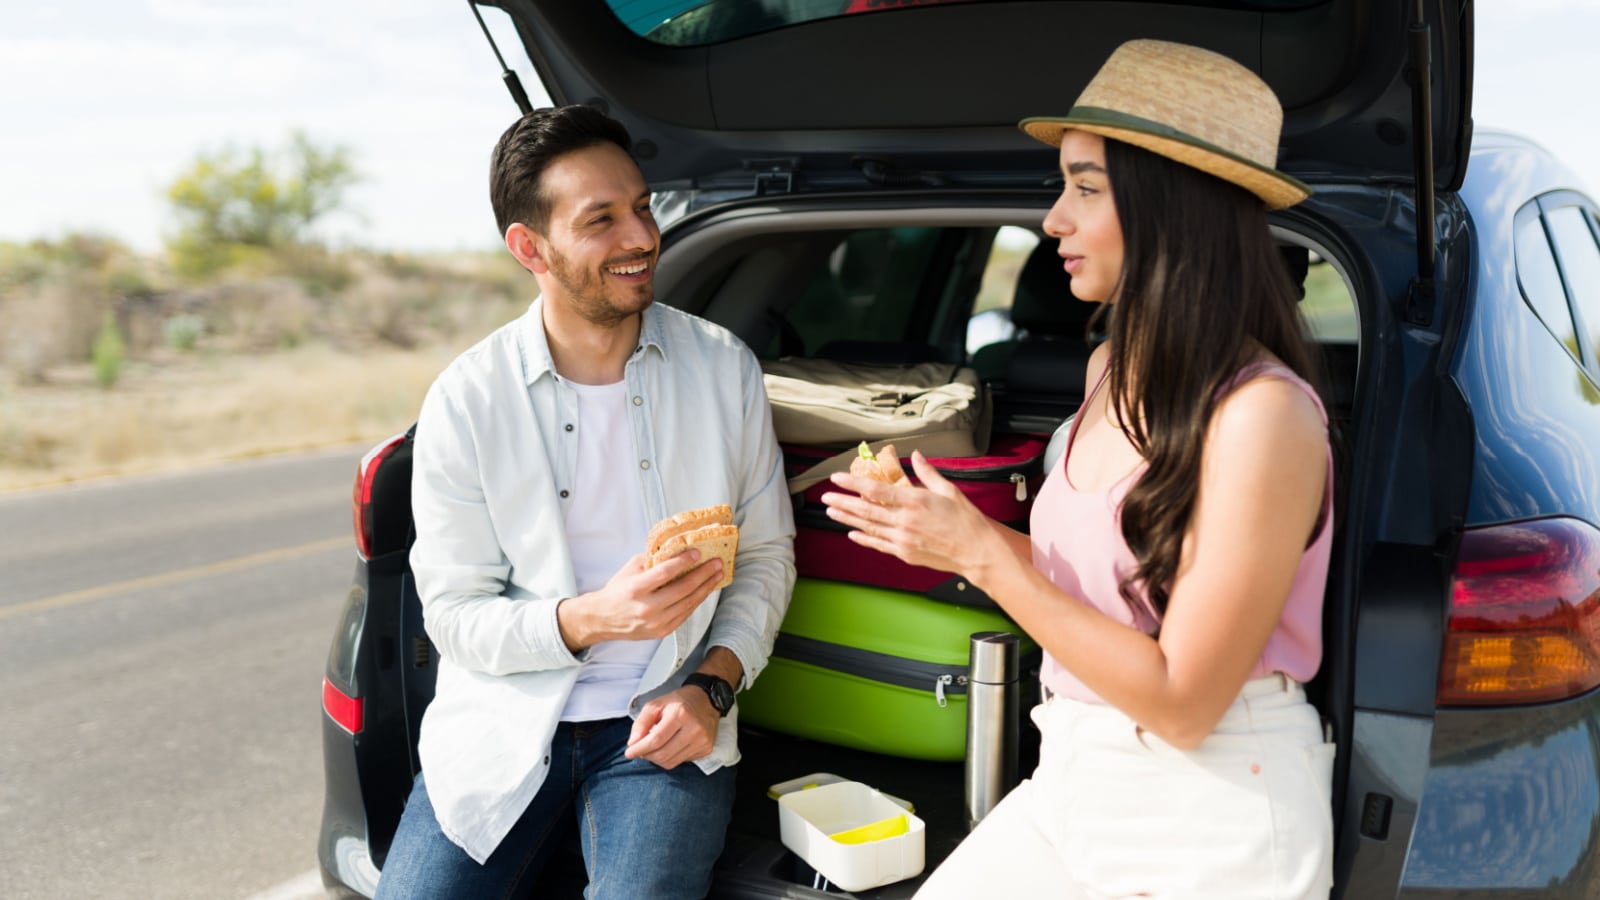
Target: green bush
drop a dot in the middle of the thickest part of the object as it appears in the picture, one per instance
(236, 200)
(109, 352)
(183, 331)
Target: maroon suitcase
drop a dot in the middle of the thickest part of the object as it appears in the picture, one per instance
(1001, 483)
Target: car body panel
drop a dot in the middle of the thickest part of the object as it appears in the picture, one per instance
(1386, 776)
(1517, 394)
(1511, 800)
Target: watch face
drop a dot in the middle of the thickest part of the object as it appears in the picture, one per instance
(721, 695)
(720, 692)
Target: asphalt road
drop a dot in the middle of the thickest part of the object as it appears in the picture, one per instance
(161, 649)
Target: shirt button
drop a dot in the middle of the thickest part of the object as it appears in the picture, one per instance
(644, 463)
(638, 401)
(569, 427)
(564, 495)
(547, 760)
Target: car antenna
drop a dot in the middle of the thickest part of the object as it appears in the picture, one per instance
(1419, 306)
(513, 83)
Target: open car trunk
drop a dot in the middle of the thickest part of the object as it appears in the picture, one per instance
(830, 277)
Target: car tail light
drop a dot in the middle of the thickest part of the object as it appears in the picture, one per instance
(1524, 621)
(345, 709)
(361, 493)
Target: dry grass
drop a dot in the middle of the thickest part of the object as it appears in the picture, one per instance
(202, 407)
(300, 347)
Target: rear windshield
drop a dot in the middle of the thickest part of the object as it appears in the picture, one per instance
(686, 23)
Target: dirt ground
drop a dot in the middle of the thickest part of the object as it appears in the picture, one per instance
(199, 408)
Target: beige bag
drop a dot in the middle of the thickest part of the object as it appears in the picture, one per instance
(820, 402)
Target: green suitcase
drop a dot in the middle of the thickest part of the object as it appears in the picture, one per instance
(873, 669)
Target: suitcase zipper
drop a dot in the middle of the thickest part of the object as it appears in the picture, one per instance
(1011, 471)
(1021, 481)
(944, 679)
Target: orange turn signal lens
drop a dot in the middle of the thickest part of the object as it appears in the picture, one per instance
(1500, 669)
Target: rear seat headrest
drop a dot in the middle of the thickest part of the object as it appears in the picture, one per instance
(1043, 303)
(1297, 263)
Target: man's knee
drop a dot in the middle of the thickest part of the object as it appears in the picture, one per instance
(657, 833)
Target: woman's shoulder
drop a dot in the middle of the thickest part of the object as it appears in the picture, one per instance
(1268, 402)
(1267, 367)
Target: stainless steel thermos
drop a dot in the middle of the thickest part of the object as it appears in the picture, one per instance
(993, 701)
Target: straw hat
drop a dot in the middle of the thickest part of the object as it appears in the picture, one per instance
(1191, 105)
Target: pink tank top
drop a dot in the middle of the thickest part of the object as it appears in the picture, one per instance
(1078, 545)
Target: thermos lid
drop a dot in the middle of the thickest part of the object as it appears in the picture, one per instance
(995, 657)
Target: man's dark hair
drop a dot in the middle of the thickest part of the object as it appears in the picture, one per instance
(529, 146)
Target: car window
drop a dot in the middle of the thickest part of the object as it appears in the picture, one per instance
(991, 314)
(1541, 283)
(1580, 267)
(1328, 308)
(868, 289)
(695, 22)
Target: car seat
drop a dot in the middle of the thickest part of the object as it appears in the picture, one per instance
(1036, 378)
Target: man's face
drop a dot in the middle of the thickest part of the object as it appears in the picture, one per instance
(602, 242)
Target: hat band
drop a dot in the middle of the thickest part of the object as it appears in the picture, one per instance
(1110, 118)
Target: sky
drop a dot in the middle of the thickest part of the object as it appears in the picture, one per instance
(102, 104)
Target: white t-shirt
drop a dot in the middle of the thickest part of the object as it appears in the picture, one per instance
(606, 525)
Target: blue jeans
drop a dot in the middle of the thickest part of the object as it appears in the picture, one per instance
(646, 832)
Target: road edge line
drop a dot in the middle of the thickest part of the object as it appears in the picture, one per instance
(175, 576)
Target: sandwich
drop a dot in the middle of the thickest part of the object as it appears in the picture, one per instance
(868, 465)
(709, 529)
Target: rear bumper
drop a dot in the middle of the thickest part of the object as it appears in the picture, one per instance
(1510, 804)
(343, 851)
(367, 776)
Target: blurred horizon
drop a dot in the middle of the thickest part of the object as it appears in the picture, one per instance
(120, 98)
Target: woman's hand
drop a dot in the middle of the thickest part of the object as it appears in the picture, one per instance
(934, 525)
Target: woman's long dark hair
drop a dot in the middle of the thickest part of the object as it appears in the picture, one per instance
(1203, 285)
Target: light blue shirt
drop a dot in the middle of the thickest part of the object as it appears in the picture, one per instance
(492, 478)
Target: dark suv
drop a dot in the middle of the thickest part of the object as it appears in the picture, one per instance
(845, 179)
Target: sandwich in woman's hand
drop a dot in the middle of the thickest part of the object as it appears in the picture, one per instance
(709, 529)
(884, 466)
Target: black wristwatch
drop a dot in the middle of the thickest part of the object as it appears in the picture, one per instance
(719, 690)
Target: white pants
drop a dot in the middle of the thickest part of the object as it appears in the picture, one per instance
(1113, 813)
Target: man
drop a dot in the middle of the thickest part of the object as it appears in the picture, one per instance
(573, 680)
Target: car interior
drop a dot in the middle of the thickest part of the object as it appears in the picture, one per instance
(898, 294)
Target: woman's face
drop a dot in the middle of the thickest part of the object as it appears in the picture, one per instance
(1084, 219)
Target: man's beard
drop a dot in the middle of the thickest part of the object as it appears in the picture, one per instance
(589, 295)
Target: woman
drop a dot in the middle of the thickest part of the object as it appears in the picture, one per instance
(1179, 549)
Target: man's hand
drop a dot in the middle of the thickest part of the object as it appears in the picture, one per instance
(639, 604)
(674, 728)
